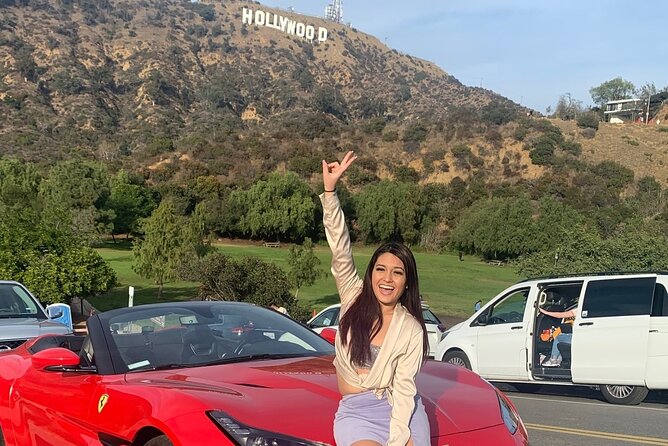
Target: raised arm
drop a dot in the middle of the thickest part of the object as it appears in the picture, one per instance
(559, 314)
(344, 272)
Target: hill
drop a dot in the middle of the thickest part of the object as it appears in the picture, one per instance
(101, 73)
(176, 90)
(641, 148)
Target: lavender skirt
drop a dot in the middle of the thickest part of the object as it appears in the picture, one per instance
(362, 416)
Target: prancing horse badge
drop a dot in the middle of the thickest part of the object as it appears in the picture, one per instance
(101, 403)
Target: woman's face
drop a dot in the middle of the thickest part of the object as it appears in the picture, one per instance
(388, 279)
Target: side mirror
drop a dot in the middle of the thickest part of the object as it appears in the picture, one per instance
(328, 334)
(55, 359)
(482, 319)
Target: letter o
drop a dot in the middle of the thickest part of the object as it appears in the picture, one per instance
(259, 17)
(301, 29)
(310, 32)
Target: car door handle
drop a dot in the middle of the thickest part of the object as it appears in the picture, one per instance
(516, 327)
(585, 324)
(654, 331)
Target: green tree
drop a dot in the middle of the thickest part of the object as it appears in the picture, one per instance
(77, 272)
(637, 247)
(19, 182)
(129, 203)
(81, 189)
(580, 251)
(390, 210)
(168, 240)
(611, 90)
(303, 265)
(495, 228)
(248, 279)
(48, 257)
(283, 206)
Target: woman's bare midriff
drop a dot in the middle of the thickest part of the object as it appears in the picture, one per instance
(349, 389)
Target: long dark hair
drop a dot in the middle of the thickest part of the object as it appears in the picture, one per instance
(364, 318)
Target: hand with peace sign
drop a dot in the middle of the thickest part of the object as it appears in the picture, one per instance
(331, 172)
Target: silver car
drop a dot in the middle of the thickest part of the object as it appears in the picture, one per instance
(22, 317)
(329, 318)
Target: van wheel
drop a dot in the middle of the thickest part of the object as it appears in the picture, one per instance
(457, 358)
(627, 395)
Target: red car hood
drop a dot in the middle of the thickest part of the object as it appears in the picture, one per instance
(278, 395)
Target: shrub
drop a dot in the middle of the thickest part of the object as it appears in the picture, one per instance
(588, 133)
(572, 147)
(390, 136)
(588, 120)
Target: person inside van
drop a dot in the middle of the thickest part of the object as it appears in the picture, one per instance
(566, 335)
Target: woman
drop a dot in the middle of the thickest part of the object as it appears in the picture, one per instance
(563, 338)
(382, 339)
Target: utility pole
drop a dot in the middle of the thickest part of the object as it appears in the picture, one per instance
(649, 98)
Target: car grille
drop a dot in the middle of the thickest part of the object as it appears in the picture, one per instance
(8, 345)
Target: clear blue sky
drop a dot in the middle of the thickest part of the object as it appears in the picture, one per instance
(529, 51)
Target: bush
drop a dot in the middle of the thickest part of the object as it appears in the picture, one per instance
(390, 136)
(588, 133)
(588, 120)
(572, 147)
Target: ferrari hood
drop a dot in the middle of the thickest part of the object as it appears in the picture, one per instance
(27, 328)
(282, 393)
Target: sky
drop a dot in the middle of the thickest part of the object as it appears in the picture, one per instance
(531, 52)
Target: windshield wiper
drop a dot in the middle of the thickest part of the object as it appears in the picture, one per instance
(150, 367)
(244, 358)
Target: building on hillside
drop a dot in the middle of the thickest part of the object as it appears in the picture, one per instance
(624, 110)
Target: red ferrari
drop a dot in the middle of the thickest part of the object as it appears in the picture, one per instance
(211, 373)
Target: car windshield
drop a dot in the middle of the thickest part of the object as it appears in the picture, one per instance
(16, 302)
(201, 333)
(429, 317)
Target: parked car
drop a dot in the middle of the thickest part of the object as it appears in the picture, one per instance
(22, 317)
(165, 374)
(619, 335)
(329, 318)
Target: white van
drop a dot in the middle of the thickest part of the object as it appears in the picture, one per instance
(619, 335)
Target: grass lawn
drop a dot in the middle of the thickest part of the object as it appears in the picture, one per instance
(448, 285)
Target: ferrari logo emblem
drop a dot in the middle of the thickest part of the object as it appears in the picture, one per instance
(101, 403)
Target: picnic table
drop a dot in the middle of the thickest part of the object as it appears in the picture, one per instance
(272, 244)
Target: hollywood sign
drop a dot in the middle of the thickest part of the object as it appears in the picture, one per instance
(285, 24)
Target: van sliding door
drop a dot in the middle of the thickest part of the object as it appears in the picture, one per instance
(611, 330)
(657, 347)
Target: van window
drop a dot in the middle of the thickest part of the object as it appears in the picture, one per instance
(618, 297)
(660, 305)
(510, 309)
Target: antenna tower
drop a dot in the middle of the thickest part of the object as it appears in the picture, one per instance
(334, 11)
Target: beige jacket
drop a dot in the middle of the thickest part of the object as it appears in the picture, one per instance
(400, 357)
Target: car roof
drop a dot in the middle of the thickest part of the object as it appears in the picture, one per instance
(594, 275)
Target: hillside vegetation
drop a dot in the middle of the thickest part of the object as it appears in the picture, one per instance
(174, 123)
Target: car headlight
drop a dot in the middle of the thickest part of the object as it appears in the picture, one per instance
(509, 416)
(249, 436)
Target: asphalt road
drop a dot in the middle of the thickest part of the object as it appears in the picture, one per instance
(578, 416)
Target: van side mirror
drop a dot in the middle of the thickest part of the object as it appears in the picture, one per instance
(482, 319)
